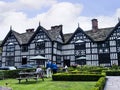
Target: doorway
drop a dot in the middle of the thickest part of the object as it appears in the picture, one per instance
(67, 62)
(24, 60)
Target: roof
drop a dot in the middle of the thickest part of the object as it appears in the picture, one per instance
(23, 38)
(67, 36)
(100, 34)
(54, 32)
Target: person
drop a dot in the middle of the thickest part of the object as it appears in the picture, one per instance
(39, 72)
(48, 67)
(66, 68)
(54, 68)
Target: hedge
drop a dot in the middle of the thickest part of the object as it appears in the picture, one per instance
(13, 73)
(100, 84)
(112, 72)
(76, 77)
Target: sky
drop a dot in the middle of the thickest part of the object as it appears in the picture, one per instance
(26, 14)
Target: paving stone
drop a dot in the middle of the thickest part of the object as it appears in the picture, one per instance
(113, 83)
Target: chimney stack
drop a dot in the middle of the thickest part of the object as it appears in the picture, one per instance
(57, 27)
(29, 30)
(94, 25)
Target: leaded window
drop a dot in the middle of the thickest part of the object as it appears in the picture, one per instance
(24, 48)
(59, 46)
(58, 59)
(103, 47)
(10, 47)
(40, 45)
(10, 61)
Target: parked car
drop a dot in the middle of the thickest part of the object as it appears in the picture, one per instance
(7, 68)
(25, 66)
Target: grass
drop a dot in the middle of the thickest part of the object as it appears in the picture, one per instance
(48, 84)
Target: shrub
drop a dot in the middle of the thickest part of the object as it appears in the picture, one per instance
(112, 72)
(115, 67)
(14, 73)
(100, 84)
(76, 77)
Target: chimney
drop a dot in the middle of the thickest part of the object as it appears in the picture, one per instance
(29, 30)
(56, 27)
(94, 25)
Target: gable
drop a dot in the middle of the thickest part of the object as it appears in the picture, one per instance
(115, 33)
(79, 34)
(10, 38)
(40, 33)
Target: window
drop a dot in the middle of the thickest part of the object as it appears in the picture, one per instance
(94, 50)
(58, 59)
(24, 48)
(118, 42)
(112, 43)
(59, 46)
(113, 55)
(10, 61)
(10, 47)
(112, 49)
(79, 46)
(103, 47)
(88, 51)
(87, 44)
(40, 45)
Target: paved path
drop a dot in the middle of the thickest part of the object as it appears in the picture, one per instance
(4, 88)
(113, 83)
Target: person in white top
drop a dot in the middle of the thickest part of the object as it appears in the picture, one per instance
(39, 72)
(66, 68)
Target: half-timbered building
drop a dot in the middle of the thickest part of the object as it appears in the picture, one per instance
(95, 47)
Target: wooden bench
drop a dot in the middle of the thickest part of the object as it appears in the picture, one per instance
(22, 79)
(27, 78)
(29, 75)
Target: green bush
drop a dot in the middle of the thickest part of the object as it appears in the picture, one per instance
(83, 72)
(1, 75)
(100, 84)
(76, 77)
(115, 67)
(14, 73)
(112, 72)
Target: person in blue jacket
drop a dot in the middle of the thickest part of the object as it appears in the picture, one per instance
(54, 68)
(48, 67)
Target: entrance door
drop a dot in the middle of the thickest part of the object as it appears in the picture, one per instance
(67, 62)
(24, 61)
(104, 58)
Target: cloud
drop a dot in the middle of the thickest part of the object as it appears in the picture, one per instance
(62, 13)
(18, 5)
(36, 4)
(65, 13)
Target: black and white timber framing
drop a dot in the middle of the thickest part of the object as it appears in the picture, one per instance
(95, 47)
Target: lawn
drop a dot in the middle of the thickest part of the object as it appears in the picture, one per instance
(48, 84)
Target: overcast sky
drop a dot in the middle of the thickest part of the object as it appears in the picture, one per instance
(24, 14)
